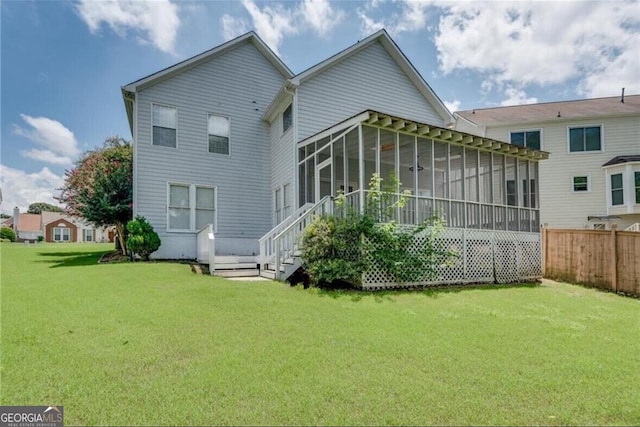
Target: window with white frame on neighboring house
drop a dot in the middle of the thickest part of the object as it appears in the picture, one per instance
(218, 130)
(529, 139)
(190, 207)
(617, 190)
(287, 118)
(637, 182)
(88, 235)
(585, 139)
(61, 234)
(164, 126)
(580, 184)
(599, 226)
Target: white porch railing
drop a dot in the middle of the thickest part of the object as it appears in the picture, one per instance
(286, 242)
(207, 247)
(633, 227)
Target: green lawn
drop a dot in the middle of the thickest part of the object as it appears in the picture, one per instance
(132, 344)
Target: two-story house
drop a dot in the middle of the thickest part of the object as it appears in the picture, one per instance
(592, 176)
(233, 142)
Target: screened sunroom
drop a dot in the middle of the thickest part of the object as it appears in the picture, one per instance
(470, 181)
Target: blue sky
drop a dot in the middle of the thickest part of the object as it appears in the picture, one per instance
(63, 62)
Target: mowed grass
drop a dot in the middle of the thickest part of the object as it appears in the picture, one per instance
(154, 344)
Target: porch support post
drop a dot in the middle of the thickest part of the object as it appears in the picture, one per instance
(361, 168)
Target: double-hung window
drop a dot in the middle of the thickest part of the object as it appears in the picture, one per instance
(580, 184)
(190, 207)
(529, 139)
(164, 126)
(61, 234)
(287, 118)
(218, 130)
(637, 184)
(617, 190)
(585, 139)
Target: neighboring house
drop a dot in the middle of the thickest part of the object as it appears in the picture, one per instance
(592, 176)
(234, 139)
(56, 227)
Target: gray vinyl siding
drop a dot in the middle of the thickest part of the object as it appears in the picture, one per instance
(282, 159)
(239, 85)
(560, 207)
(369, 79)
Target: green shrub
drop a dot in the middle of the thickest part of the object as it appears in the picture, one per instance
(142, 240)
(344, 246)
(8, 234)
(40, 238)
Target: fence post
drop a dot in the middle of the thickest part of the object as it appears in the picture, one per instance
(545, 226)
(614, 256)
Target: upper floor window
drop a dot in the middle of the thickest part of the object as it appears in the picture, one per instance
(617, 193)
(637, 181)
(218, 130)
(585, 139)
(164, 126)
(529, 139)
(580, 184)
(287, 118)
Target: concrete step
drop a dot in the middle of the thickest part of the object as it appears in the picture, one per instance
(231, 259)
(269, 274)
(235, 265)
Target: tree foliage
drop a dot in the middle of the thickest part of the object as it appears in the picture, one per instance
(100, 187)
(39, 207)
(142, 240)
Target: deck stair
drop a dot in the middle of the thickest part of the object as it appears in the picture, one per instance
(236, 266)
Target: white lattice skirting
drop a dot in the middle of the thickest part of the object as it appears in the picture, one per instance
(485, 256)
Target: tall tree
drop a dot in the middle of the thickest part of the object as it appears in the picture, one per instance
(99, 188)
(39, 207)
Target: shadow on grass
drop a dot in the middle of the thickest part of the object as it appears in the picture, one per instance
(71, 259)
(356, 295)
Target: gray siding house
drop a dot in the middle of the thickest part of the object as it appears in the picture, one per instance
(233, 153)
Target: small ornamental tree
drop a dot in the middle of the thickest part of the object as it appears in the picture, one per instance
(142, 240)
(7, 233)
(100, 188)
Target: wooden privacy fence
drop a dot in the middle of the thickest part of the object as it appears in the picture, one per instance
(606, 259)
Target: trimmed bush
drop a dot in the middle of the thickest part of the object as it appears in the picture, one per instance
(8, 234)
(142, 240)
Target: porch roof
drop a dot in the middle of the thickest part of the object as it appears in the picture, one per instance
(376, 118)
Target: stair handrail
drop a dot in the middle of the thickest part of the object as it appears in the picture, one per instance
(633, 227)
(266, 241)
(286, 240)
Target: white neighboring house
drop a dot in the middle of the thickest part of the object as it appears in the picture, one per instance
(592, 176)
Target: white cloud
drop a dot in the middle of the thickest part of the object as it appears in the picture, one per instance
(518, 43)
(233, 27)
(397, 17)
(452, 105)
(517, 97)
(59, 143)
(20, 188)
(320, 15)
(274, 22)
(155, 22)
(271, 23)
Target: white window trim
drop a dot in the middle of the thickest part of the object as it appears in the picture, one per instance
(529, 130)
(601, 126)
(610, 189)
(192, 207)
(61, 234)
(573, 188)
(207, 134)
(151, 125)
